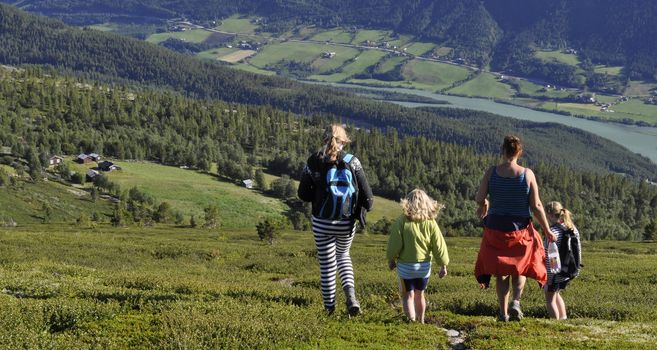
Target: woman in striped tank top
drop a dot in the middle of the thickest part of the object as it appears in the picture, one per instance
(333, 236)
(510, 248)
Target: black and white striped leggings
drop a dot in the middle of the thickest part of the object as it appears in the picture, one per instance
(333, 240)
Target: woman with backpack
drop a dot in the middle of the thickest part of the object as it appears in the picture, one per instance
(335, 183)
(510, 248)
(561, 224)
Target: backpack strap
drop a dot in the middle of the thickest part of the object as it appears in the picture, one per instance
(348, 157)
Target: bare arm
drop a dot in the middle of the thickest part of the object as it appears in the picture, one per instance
(482, 193)
(537, 206)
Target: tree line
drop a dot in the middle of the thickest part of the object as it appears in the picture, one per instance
(42, 115)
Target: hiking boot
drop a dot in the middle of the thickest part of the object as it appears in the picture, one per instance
(502, 318)
(329, 310)
(515, 312)
(353, 306)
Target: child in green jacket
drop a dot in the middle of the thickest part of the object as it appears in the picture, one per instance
(414, 238)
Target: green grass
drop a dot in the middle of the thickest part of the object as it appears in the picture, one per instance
(434, 75)
(24, 204)
(371, 35)
(419, 49)
(444, 51)
(639, 88)
(390, 64)
(335, 36)
(301, 52)
(235, 24)
(401, 40)
(192, 35)
(189, 192)
(608, 70)
(324, 65)
(365, 60)
(215, 54)
(558, 56)
(484, 85)
(167, 287)
(249, 68)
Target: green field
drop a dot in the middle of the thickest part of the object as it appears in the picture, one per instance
(608, 70)
(363, 61)
(558, 56)
(342, 57)
(335, 36)
(179, 288)
(192, 36)
(371, 35)
(301, 52)
(215, 54)
(639, 88)
(189, 192)
(236, 24)
(249, 68)
(485, 85)
(434, 75)
(419, 49)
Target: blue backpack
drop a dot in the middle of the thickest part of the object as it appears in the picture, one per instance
(341, 191)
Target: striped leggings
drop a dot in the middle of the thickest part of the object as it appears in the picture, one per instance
(333, 240)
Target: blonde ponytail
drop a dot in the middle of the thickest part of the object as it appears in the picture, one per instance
(334, 136)
(562, 214)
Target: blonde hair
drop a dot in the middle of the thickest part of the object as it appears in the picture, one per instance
(334, 135)
(561, 213)
(512, 146)
(418, 206)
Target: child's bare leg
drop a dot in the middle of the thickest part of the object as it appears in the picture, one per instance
(402, 296)
(552, 305)
(420, 305)
(502, 289)
(407, 302)
(561, 306)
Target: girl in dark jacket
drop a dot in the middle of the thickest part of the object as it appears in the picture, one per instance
(336, 185)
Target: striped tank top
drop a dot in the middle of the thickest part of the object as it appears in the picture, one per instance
(509, 196)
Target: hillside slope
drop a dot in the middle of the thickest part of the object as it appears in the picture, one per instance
(27, 39)
(605, 31)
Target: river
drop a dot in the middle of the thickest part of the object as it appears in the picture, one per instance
(638, 139)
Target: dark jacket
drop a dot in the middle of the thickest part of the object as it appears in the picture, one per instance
(313, 188)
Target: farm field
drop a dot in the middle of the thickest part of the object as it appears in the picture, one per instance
(485, 85)
(558, 56)
(235, 24)
(237, 56)
(215, 54)
(172, 288)
(419, 49)
(363, 61)
(190, 191)
(249, 68)
(335, 36)
(301, 52)
(437, 75)
(192, 35)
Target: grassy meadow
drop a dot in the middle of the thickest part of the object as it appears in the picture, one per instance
(64, 287)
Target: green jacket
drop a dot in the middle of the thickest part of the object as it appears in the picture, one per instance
(416, 241)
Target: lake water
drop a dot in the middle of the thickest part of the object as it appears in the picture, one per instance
(641, 140)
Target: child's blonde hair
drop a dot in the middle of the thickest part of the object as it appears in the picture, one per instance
(334, 135)
(561, 213)
(418, 206)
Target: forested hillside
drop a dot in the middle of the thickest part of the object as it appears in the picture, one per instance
(603, 31)
(47, 114)
(27, 39)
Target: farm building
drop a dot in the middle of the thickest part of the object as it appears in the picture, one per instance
(83, 158)
(248, 183)
(55, 160)
(91, 174)
(107, 166)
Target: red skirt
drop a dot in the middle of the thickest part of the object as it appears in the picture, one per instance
(516, 253)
